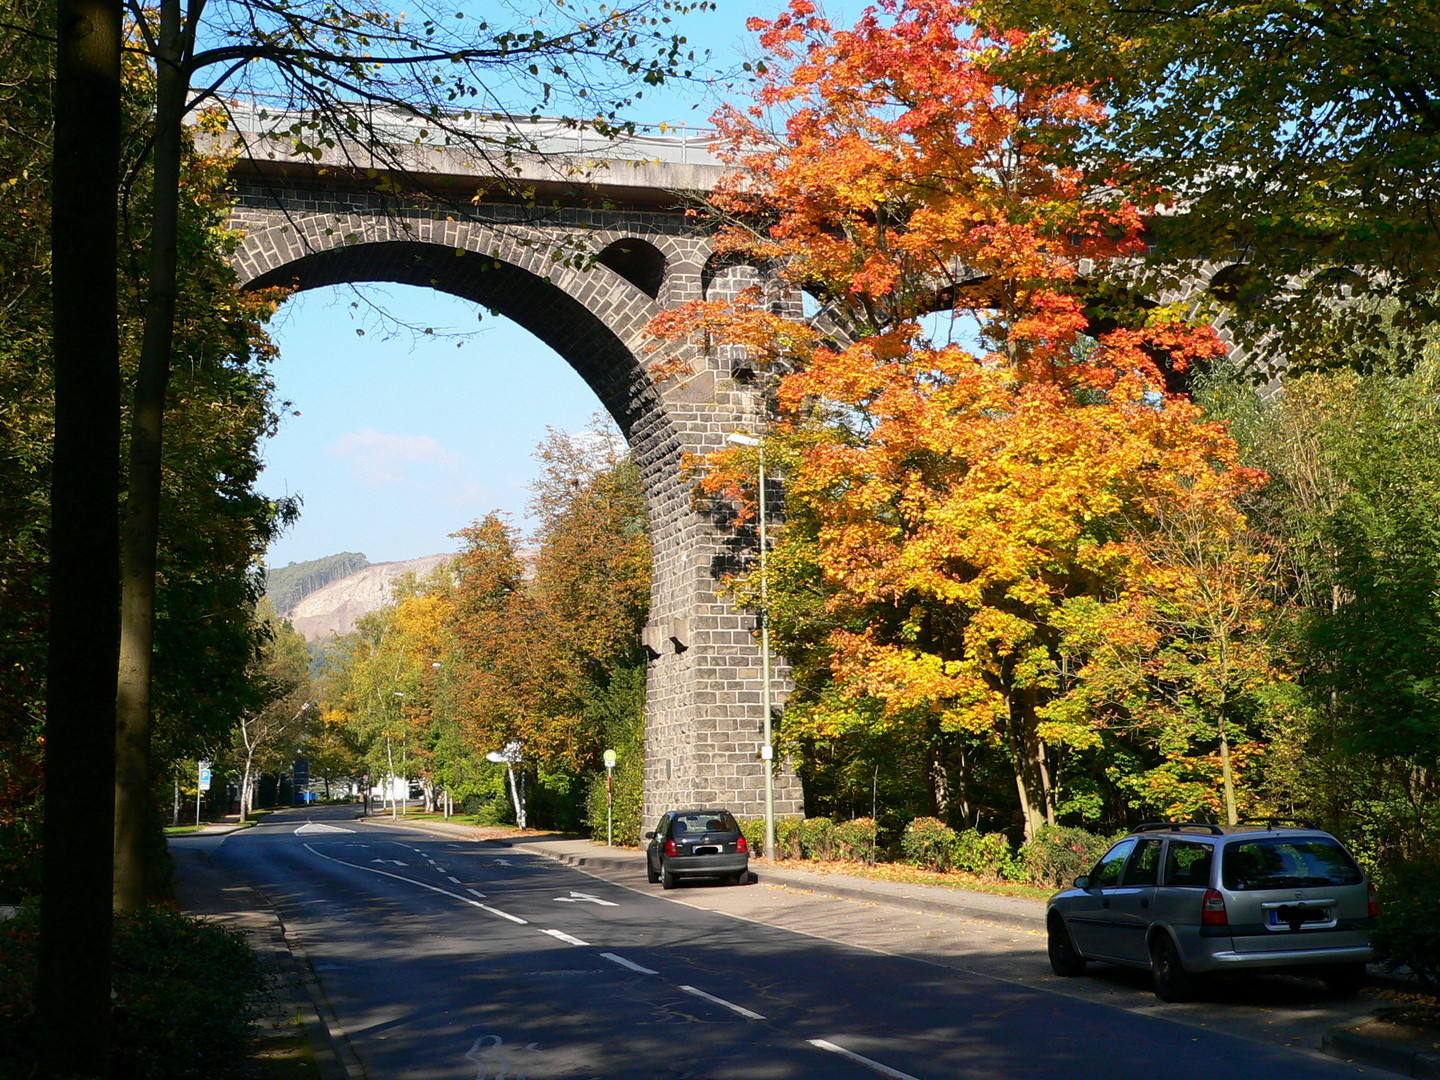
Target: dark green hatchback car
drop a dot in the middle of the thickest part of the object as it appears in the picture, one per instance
(697, 843)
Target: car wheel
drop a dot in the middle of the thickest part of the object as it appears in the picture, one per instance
(741, 877)
(667, 879)
(1065, 961)
(1172, 981)
(651, 873)
(1344, 980)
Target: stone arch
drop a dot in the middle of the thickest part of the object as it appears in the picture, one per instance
(596, 329)
(637, 261)
(703, 692)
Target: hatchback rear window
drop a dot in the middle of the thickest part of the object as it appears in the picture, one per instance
(695, 824)
(1282, 863)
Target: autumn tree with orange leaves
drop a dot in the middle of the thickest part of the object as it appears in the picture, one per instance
(959, 490)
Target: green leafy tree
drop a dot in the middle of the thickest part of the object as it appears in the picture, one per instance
(1299, 143)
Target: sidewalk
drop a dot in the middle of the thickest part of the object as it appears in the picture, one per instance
(202, 888)
(934, 899)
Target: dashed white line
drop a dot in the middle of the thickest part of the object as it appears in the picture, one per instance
(628, 964)
(560, 935)
(869, 1063)
(477, 895)
(421, 885)
(497, 911)
(728, 1004)
(456, 880)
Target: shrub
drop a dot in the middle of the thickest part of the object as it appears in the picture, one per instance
(1407, 934)
(928, 842)
(753, 829)
(856, 839)
(1056, 855)
(186, 996)
(817, 838)
(985, 854)
(629, 799)
(787, 837)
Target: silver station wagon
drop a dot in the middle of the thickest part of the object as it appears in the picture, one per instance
(1187, 900)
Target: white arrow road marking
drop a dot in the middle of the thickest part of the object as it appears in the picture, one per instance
(585, 898)
(628, 964)
(869, 1063)
(311, 827)
(383, 862)
(560, 935)
(729, 1005)
(419, 884)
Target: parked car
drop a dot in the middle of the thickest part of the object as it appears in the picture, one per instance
(697, 843)
(1187, 900)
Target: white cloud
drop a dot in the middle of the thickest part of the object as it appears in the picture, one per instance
(381, 460)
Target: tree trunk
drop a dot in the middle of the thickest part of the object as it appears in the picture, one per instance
(72, 993)
(1024, 757)
(140, 537)
(517, 797)
(1047, 783)
(939, 781)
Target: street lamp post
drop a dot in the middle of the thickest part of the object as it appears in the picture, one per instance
(767, 749)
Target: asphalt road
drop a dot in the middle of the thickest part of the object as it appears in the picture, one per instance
(441, 958)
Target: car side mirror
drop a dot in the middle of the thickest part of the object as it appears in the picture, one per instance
(1083, 881)
(650, 835)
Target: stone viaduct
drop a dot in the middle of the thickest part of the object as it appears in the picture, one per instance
(312, 222)
(344, 218)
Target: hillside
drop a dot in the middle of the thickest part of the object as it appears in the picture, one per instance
(287, 585)
(335, 608)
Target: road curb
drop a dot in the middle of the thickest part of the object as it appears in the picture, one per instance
(909, 903)
(1399, 1055)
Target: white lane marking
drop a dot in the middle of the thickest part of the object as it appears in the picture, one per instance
(492, 910)
(869, 1063)
(383, 862)
(477, 895)
(728, 1004)
(316, 827)
(456, 880)
(560, 935)
(503, 862)
(628, 964)
(419, 884)
(585, 898)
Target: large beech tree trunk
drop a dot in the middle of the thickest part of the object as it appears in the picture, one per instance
(72, 996)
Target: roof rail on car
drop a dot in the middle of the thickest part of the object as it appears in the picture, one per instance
(1271, 822)
(1177, 826)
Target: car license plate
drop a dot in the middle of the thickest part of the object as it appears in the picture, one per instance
(1283, 917)
(706, 849)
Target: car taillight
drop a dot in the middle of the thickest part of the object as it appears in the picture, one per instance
(670, 848)
(1212, 909)
(742, 848)
(1373, 896)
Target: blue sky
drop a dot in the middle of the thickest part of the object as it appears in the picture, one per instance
(402, 439)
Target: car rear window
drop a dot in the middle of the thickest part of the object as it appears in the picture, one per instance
(1277, 862)
(719, 821)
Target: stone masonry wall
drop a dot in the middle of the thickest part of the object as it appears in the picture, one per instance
(703, 701)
